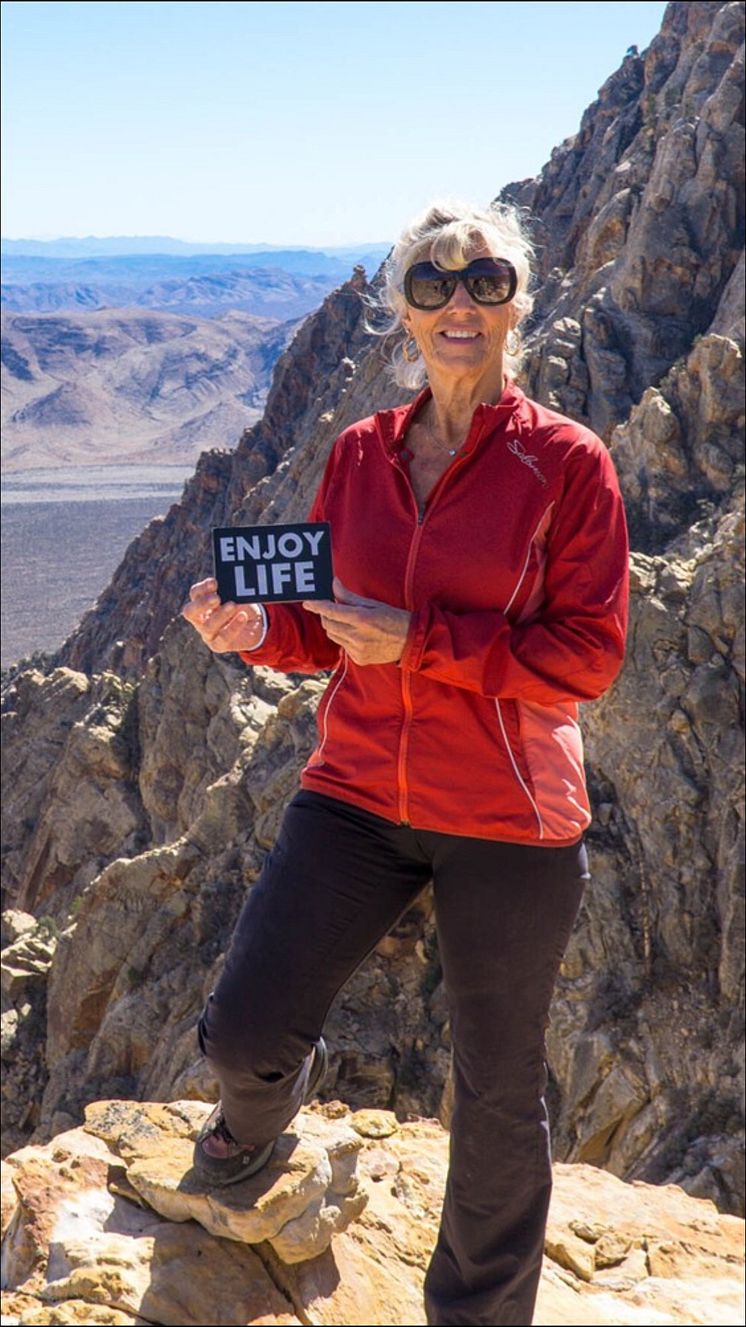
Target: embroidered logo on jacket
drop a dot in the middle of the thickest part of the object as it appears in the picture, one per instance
(517, 448)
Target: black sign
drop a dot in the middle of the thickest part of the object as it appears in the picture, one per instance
(271, 563)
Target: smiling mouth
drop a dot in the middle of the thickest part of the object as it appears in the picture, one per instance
(460, 336)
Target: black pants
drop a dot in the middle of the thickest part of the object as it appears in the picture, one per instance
(335, 882)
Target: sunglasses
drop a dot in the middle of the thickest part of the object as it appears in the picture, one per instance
(488, 281)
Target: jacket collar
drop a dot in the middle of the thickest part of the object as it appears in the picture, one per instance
(393, 424)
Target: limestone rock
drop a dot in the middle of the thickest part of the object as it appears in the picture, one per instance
(306, 1192)
(70, 778)
(140, 806)
(19, 1308)
(78, 1241)
(9, 1197)
(15, 924)
(24, 971)
(25, 963)
(375, 1123)
(85, 1246)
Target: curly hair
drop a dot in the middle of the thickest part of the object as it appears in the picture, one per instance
(448, 233)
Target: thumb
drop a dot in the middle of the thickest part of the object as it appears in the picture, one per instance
(345, 596)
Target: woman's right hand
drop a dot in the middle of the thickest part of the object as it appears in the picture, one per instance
(225, 628)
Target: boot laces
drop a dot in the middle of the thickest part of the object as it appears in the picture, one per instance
(220, 1128)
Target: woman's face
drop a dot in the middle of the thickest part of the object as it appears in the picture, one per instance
(463, 339)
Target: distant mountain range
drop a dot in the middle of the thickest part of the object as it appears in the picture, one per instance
(113, 351)
(110, 283)
(93, 246)
(274, 283)
(116, 386)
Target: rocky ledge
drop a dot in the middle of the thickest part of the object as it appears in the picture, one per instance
(107, 1224)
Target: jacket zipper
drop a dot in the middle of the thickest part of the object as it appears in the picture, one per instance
(406, 686)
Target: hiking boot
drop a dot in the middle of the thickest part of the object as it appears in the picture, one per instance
(219, 1159)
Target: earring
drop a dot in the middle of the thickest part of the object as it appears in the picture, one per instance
(410, 350)
(513, 342)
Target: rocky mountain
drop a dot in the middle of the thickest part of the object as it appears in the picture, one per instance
(127, 385)
(146, 778)
(106, 1224)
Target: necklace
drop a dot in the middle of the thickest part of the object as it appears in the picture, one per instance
(438, 441)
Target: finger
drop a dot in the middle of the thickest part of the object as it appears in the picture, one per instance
(341, 637)
(351, 617)
(231, 635)
(215, 622)
(343, 595)
(326, 606)
(204, 592)
(208, 586)
(199, 610)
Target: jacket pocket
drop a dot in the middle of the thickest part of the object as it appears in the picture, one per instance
(510, 729)
(324, 711)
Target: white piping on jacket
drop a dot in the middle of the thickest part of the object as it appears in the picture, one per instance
(518, 774)
(335, 689)
(520, 580)
(508, 747)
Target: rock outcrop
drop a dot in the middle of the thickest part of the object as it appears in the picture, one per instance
(108, 1224)
(640, 218)
(196, 756)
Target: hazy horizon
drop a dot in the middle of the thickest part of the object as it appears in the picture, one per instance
(249, 245)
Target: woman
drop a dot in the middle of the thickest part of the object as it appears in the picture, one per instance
(480, 593)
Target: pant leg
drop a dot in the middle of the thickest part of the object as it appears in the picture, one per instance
(335, 882)
(504, 914)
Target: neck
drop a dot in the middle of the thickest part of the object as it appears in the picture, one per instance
(454, 401)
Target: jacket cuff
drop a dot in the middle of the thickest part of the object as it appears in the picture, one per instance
(260, 642)
(411, 656)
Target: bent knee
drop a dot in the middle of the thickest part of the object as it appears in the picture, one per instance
(249, 1044)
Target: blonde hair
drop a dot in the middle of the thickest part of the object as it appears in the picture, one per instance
(448, 233)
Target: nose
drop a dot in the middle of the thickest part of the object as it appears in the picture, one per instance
(461, 299)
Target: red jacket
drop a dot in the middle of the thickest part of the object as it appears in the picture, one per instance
(516, 576)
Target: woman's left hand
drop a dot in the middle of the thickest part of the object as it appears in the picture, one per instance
(369, 631)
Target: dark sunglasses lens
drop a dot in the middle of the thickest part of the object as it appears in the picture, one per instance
(427, 287)
(490, 282)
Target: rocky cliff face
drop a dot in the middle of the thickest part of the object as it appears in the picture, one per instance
(147, 778)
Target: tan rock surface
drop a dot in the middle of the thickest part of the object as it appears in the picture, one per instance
(85, 1247)
(639, 328)
(306, 1192)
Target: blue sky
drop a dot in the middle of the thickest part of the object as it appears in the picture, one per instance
(288, 123)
